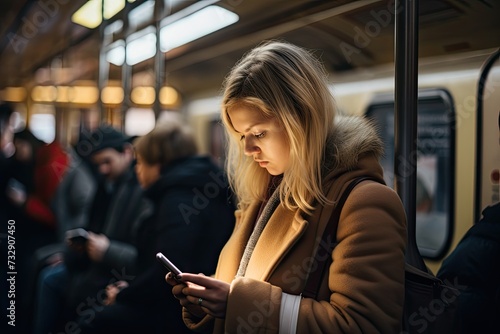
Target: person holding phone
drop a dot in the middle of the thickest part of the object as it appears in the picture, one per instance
(117, 209)
(289, 160)
(191, 221)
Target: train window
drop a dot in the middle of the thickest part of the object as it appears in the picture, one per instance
(435, 160)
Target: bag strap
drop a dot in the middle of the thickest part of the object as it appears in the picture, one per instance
(330, 234)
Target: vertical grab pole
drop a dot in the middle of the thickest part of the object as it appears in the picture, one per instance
(405, 113)
(103, 71)
(159, 68)
(126, 69)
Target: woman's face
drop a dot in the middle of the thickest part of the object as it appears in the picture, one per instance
(146, 174)
(263, 139)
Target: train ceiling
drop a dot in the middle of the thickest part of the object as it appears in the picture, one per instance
(41, 45)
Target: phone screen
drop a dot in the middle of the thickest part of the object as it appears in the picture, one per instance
(78, 235)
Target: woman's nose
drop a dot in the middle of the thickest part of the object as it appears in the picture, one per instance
(250, 147)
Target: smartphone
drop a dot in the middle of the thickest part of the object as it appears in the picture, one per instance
(169, 265)
(16, 185)
(77, 235)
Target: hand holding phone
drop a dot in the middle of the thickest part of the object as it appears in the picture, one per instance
(16, 192)
(168, 264)
(77, 236)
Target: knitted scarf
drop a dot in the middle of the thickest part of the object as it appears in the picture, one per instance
(268, 210)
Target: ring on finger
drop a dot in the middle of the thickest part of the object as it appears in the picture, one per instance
(200, 300)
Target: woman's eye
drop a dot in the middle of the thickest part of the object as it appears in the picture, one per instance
(260, 135)
(242, 137)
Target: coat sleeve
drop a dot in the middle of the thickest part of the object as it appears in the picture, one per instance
(48, 175)
(366, 278)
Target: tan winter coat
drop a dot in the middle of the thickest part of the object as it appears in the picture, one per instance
(364, 289)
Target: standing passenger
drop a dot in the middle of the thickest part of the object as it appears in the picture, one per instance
(192, 221)
(288, 163)
(473, 265)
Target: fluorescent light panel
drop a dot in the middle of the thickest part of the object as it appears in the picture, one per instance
(141, 14)
(116, 53)
(141, 48)
(142, 45)
(90, 14)
(194, 26)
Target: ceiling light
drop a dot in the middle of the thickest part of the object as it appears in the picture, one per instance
(14, 94)
(143, 95)
(63, 94)
(112, 7)
(141, 14)
(84, 95)
(112, 95)
(44, 93)
(91, 13)
(194, 26)
(141, 46)
(116, 53)
(169, 96)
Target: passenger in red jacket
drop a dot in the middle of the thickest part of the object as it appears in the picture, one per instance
(37, 171)
(49, 162)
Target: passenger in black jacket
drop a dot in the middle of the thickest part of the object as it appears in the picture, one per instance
(76, 286)
(474, 266)
(192, 220)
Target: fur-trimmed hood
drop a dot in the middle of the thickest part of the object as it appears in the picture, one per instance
(352, 137)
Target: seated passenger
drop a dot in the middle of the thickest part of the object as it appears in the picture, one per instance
(36, 173)
(71, 205)
(39, 169)
(192, 220)
(118, 208)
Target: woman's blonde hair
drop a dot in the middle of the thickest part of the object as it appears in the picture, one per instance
(168, 141)
(286, 83)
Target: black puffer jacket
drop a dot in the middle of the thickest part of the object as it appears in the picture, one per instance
(474, 267)
(192, 220)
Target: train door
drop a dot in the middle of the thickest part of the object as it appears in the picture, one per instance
(488, 135)
(435, 161)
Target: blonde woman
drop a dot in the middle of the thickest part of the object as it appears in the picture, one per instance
(289, 160)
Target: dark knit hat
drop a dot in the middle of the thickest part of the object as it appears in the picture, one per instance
(6, 111)
(105, 136)
(28, 136)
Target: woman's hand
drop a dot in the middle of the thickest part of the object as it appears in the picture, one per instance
(200, 294)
